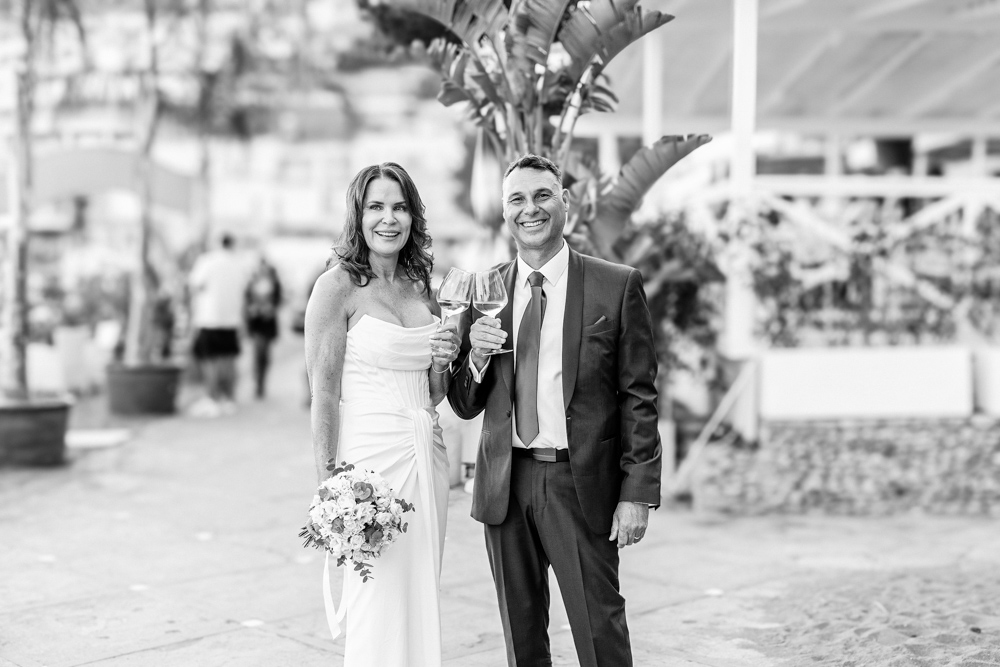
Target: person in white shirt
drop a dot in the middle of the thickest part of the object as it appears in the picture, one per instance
(218, 282)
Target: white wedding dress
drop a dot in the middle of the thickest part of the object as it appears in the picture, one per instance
(387, 424)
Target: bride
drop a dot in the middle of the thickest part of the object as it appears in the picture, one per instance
(378, 362)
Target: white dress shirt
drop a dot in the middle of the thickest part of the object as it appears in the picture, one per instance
(551, 412)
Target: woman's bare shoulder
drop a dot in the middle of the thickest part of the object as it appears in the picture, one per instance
(333, 292)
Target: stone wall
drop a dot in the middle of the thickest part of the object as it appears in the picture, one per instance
(946, 466)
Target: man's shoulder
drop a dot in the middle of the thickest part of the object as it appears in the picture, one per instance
(605, 269)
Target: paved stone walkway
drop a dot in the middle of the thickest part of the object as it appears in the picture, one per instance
(180, 548)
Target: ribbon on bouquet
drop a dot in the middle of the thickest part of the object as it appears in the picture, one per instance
(333, 617)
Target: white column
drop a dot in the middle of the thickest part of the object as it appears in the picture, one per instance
(739, 314)
(833, 169)
(744, 100)
(978, 157)
(652, 87)
(607, 152)
(974, 206)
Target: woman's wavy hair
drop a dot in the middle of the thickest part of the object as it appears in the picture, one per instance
(351, 252)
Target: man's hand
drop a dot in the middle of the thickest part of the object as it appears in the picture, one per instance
(629, 523)
(485, 336)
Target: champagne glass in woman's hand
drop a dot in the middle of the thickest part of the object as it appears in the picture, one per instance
(453, 296)
(455, 293)
(490, 296)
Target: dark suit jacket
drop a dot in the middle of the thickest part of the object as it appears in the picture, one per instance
(609, 393)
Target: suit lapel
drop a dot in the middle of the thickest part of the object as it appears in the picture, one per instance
(506, 318)
(572, 325)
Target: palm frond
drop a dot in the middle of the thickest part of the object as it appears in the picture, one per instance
(600, 31)
(634, 180)
(532, 29)
(471, 20)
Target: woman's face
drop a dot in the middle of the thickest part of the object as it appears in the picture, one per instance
(385, 218)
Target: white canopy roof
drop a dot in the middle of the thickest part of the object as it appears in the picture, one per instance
(861, 67)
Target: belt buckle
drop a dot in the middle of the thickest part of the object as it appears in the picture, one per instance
(549, 455)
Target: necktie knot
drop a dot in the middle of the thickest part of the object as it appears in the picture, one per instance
(535, 279)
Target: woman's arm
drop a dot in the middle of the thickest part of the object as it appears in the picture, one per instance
(325, 343)
(444, 350)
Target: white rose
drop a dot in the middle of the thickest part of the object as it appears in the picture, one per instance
(357, 541)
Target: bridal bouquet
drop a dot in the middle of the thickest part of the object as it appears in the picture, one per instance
(354, 516)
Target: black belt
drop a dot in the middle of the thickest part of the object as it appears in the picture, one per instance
(549, 454)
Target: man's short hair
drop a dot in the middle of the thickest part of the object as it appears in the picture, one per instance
(530, 161)
(227, 240)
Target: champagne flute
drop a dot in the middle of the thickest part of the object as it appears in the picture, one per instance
(490, 296)
(455, 292)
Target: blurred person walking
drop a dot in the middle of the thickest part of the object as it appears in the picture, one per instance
(262, 300)
(218, 281)
(379, 362)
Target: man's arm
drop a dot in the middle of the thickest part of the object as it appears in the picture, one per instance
(641, 450)
(471, 384)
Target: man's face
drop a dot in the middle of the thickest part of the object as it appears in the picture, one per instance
(534, 208)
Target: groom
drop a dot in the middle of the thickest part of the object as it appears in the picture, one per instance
(569, 459)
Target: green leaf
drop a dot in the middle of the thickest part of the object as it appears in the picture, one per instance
(530, 33)
(534, 28)
(602, 30)
(471, 20)
(452, 94)
(634, 180)
(489, 87)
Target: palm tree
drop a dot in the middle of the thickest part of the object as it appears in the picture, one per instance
(35, 22)
(32, 427)
(527, 72)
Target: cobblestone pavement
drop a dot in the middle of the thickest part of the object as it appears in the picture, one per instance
(180, 548)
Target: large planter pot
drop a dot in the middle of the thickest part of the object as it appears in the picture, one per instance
(140, 390)
(33, 432)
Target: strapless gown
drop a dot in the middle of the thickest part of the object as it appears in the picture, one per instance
(387, 424)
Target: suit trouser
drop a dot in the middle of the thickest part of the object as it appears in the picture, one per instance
(545, 525)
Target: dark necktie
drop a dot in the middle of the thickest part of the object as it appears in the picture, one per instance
(526, 370)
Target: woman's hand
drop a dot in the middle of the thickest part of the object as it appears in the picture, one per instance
(444, 346)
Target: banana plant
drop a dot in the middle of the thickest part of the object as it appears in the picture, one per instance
(527, 73)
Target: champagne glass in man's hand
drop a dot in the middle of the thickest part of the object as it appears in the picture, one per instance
(490, 297)
(455, 293)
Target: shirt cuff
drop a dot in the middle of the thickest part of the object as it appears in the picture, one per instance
(477, 374)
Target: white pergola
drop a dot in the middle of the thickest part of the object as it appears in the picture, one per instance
(834, 68)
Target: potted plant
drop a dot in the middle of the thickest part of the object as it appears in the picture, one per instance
(32, 426)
